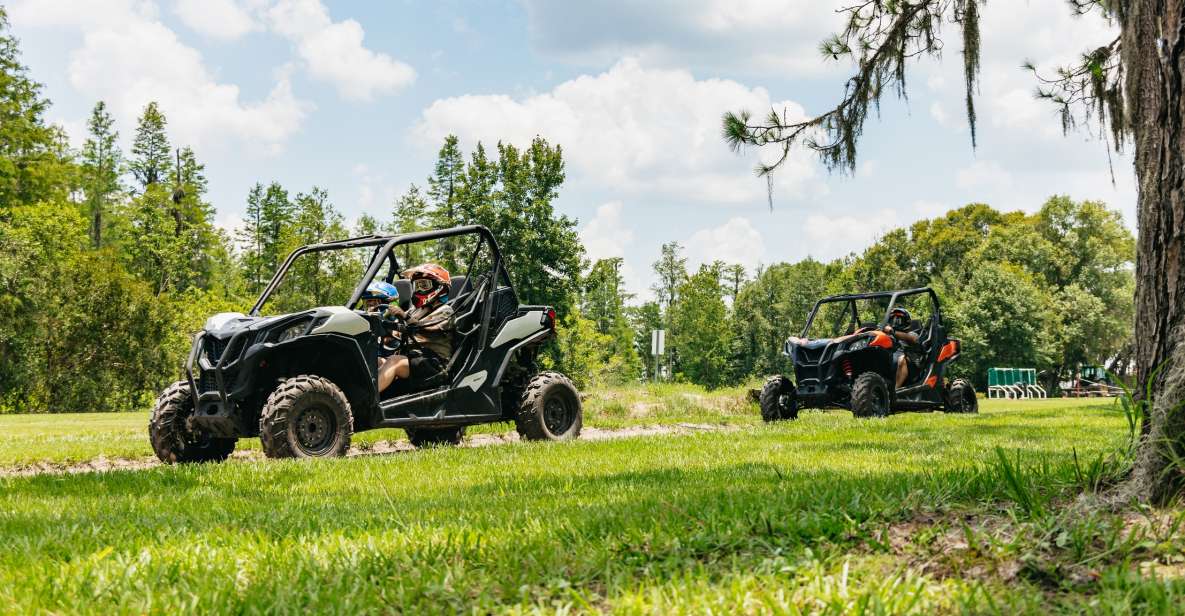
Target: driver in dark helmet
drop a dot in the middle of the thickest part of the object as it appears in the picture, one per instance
(432, 321)
(901, 327)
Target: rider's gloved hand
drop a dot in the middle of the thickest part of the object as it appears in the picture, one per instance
(394, 311)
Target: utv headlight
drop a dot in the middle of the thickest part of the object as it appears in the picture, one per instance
(292, 331)
(859, 344)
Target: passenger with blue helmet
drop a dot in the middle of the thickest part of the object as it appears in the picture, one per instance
(379, 293)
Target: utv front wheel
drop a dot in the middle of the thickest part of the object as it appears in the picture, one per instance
(870, 396)
(960, 398)
(172, 438)
(435, 437)
(306, 417)
(777, 399)
(550, 409)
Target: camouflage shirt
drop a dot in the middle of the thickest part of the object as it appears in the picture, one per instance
(434, 329)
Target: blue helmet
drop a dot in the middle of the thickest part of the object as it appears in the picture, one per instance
(382, 291)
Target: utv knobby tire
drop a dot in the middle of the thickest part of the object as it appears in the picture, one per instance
(550, 409)
(434, 437)
(960, 398)
(871, 396)
(172, 440)
(777, 399)
(306, 417)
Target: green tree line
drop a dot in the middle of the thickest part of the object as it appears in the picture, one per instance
(1052, 290)
(109, 261)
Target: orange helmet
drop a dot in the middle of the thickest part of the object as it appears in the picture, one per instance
(428, 270)
(436, 291)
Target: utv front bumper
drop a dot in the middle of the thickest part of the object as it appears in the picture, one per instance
(212, 371)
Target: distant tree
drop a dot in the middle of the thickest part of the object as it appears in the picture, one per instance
(251, 238)
(1003, 320)
(101, 165)
(644, 319)
(733, 279)
(671, 270)
(34, 164)
(151, 154)
(699, 329)
(513, 196)
(277, 213)
(409, 216)
(443, 192)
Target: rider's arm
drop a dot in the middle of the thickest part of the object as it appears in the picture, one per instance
(907, 337)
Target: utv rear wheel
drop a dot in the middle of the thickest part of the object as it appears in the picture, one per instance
(777, 399)
(435, 437)
(550, 409)
(870, 396)
(306, 417)
(172, 438)
(960, 398)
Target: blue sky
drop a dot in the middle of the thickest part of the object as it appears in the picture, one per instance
(356, 96)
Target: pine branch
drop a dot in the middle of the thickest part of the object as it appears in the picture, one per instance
(881, 36)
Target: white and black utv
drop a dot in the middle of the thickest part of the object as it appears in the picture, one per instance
(304, 381)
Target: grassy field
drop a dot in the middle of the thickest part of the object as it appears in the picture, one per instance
(916, 513)
(78, 437)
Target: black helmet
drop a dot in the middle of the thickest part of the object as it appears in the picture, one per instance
(899, 318)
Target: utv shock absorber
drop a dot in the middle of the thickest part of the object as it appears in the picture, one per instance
(846, 365)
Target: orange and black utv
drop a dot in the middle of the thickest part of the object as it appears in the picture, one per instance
(847, 358)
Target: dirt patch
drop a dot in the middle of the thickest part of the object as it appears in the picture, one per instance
(104, 464)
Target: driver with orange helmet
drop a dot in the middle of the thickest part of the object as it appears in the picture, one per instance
(901, 327)
(431, 319)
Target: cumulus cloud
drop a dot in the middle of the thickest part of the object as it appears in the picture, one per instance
(983, 174)
(128, 58)
(218, 19)
(606, 235)
(1014, 31)
(333, 51)
(630, 129)
(748, 36)
(736, 241)
(835, 236)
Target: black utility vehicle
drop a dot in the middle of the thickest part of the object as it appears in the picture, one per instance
(305, 379)
(845, 359)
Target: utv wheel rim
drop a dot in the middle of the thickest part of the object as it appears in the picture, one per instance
(315, 430)
(880, 405)
(558, 415)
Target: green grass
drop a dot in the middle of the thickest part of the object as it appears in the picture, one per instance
(823, 515)
(79, 437)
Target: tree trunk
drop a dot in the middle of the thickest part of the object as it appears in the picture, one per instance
(1153, 43)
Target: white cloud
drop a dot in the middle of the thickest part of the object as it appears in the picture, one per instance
(333, 51)
(835, 236)
(747, 36)
(930, 209)
(218, 19)
(1014, 31)
(631, 129)
(983, 174)
(375, 192)
(938, 112)
(129, 58)
(606, 235)
(736, 241)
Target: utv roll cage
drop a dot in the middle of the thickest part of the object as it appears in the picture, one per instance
(852, 298)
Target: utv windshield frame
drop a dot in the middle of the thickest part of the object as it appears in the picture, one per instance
(385, 246)
(852, 298)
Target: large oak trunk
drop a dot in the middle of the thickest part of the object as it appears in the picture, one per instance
(1153, 43)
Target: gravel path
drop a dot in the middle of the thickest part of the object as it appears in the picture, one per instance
(103, 464)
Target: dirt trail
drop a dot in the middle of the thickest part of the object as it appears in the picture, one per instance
(103, 463)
